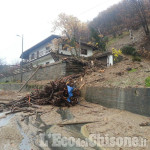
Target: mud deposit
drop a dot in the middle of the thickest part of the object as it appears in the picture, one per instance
(27, 131)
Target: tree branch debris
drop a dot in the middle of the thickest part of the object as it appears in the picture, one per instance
(55, 93)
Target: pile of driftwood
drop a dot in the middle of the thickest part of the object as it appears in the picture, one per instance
(75, 60)
(55, 93)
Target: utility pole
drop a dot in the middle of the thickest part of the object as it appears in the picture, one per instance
(21, 64)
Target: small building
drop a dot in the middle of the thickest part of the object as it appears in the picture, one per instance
(46, 52)
(105, 58)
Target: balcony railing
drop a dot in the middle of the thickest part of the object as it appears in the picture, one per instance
(41, 53)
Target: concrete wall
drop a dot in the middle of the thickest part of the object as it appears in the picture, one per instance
(136, 100)
(50, 72)
(110, 60)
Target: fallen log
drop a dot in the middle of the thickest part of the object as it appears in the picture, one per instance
(75, 123)
(29, 78)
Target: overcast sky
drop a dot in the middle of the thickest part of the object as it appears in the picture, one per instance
(33, 19)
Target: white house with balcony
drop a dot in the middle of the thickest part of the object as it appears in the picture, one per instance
(46, 52)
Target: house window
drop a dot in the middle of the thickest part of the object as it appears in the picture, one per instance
(47, 47)
(32, 56)
(64, 47)
(84, 51)
(37, 54)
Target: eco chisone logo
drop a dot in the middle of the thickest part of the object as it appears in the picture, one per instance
(94, 140)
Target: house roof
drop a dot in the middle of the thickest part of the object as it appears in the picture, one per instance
(83, 44)
(107, 53)
(89, 45)
(50, 38)
(99, 55)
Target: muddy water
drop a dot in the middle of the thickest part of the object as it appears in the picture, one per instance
(4, 121)
(74, 131)
(65, 114)
(46, 131)
(40, 135)
(25, 143)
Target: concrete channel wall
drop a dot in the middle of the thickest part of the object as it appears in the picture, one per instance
(136, 100)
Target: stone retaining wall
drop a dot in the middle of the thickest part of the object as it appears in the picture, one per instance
(50, 72)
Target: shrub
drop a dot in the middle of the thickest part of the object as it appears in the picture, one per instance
(105, 39)
(147, 82)
(136, 58)
(116, 53)
(133, 70)
(128, 50)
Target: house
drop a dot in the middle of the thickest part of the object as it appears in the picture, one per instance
(46, 52)
(39, 54)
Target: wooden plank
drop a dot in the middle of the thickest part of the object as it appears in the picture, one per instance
(29, 78)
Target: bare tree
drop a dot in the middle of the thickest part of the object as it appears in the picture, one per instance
(140, 10)
(75, 31)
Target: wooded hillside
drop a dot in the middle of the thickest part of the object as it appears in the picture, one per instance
(128, 14)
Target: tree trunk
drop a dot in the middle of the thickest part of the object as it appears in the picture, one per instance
(140, 10)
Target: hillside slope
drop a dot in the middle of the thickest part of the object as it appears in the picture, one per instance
(139, 40)
(119, 76)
